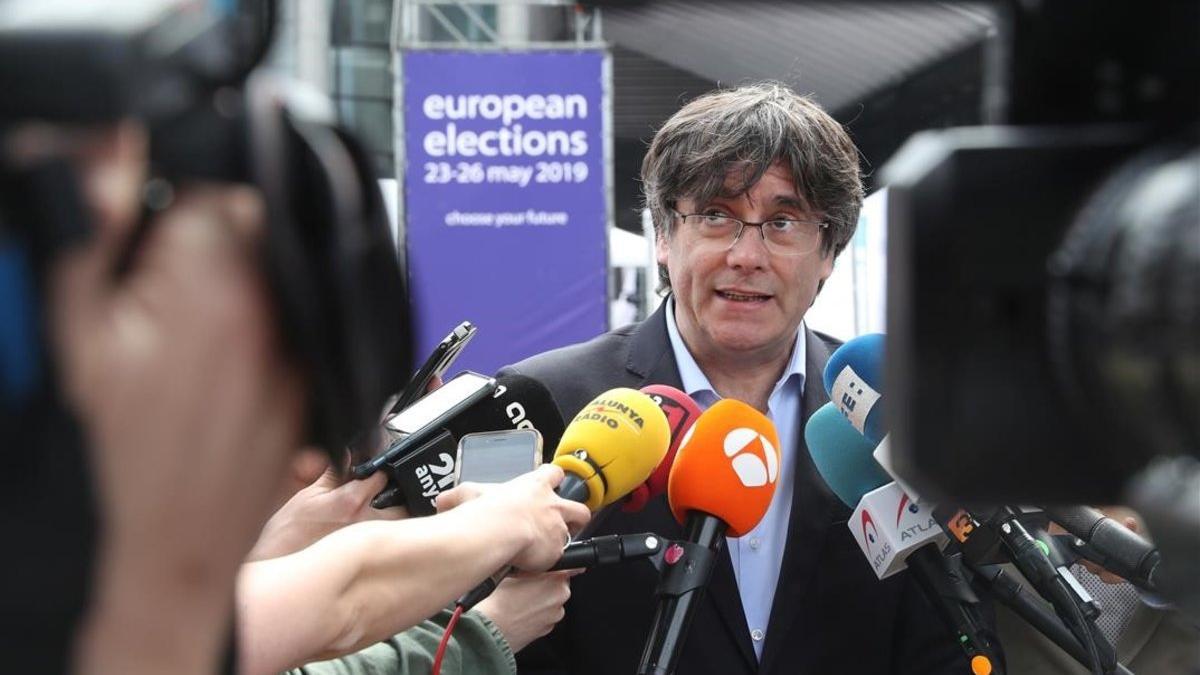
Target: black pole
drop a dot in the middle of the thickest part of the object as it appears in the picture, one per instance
(679, 591)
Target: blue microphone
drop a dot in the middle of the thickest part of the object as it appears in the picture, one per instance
(853, 379)
(842, 456)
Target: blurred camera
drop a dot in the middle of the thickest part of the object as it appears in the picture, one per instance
(190, 72)
(1044, 274)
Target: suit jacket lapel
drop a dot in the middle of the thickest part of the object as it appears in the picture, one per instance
(650, 358)
(809, 520)
(652, 361)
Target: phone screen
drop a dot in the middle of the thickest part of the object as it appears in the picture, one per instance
(498, 456)
(422, 413)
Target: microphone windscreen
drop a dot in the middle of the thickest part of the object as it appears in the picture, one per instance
(842, 455)
(853, 378)
(614, 444)
(520, 402)
(681, 412)
(727, 466)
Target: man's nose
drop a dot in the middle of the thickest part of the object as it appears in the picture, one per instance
(749, 250)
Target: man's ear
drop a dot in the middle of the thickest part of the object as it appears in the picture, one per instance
(827, 267)
(826, 263)
(662, 248)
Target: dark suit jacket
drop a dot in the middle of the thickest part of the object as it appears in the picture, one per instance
(830, 616)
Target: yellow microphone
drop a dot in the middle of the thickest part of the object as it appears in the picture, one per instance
(611, 447)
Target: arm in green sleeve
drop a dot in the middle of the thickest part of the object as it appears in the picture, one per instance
(476, 648)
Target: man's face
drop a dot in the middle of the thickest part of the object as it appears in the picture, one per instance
(742, 302)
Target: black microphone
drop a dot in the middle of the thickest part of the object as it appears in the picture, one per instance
(520, 402)
(424, 473)
(1110, 544)
(607, 550)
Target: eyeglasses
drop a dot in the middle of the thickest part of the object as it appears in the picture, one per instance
(782, 236)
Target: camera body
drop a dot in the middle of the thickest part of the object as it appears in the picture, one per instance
(1044, 304)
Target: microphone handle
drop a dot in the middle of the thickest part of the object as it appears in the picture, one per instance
(573, 488)
(680, 591)
(607, 550)
(952, 597)
(483, 589)
(1120, 549)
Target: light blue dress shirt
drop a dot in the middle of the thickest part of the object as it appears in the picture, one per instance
(758, 555)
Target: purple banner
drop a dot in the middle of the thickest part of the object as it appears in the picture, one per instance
(505, 203)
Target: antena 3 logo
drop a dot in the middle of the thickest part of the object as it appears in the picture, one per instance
(611, 413)
(754, 459)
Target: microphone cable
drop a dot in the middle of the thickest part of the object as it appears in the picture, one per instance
(1032, 561)
(1089, 638)
(441, 650)
(1011, 593)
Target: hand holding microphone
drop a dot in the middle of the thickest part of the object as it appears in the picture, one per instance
(607, 450)
(529, 505)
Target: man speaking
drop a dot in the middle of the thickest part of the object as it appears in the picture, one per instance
(754, 192)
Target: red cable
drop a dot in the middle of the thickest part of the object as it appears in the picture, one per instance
(441, 650)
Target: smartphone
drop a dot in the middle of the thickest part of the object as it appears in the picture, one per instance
(443, 403)
(416, 423)
(497, 456)
(436, 365)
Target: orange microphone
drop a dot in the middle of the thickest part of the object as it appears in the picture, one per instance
(721, 484)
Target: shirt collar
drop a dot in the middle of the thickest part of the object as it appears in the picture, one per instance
(695, 381)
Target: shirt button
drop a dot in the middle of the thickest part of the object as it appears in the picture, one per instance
(756, 635)
(755, 542)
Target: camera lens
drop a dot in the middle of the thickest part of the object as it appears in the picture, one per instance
(1124, 303)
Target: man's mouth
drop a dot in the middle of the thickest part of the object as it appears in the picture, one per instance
(740, 296)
